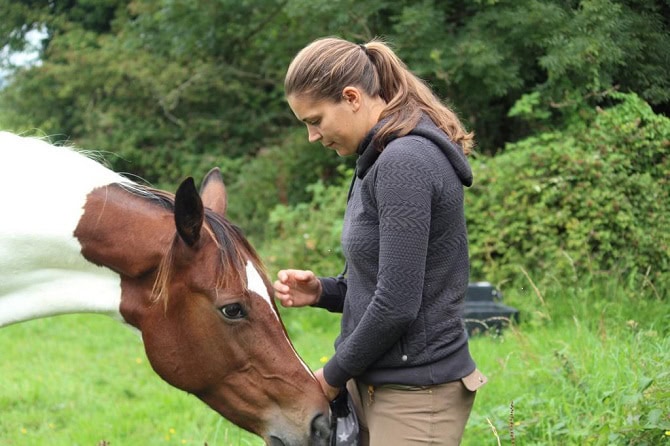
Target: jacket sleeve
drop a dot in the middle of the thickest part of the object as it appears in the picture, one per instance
(332, 296)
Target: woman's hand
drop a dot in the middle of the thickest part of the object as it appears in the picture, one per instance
(330, 391)
(297, 288)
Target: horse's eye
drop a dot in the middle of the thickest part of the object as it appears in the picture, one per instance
(233, 311)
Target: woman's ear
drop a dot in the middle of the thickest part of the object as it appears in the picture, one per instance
(352, 96)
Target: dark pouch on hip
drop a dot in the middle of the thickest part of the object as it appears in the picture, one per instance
(343, 421)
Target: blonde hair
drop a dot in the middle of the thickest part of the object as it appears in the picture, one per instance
(325, 67)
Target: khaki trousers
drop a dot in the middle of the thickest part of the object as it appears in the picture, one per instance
(391, 415)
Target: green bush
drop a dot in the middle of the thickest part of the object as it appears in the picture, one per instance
(593, 198)
(277, 174)
(307, 235)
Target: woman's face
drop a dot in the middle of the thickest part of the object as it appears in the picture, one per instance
(337, 125)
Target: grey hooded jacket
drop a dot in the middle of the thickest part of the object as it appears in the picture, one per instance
(405, 241)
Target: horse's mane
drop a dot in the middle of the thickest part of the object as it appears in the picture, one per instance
(233, 246)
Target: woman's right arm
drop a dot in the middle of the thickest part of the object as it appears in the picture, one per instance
(334, 289)
(298, 288)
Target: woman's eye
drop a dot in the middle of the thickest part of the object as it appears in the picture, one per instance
(233, 311)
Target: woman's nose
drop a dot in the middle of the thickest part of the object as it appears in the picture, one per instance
(312, 134)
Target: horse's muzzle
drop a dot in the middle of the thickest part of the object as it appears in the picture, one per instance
(319, 435)
(321, 430)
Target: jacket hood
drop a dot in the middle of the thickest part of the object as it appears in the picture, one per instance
(426, 128)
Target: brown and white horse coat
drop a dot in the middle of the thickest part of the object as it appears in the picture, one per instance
(76, 237)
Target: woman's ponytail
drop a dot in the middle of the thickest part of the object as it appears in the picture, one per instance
(325, 67)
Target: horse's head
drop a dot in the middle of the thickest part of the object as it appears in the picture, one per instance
(196, 289)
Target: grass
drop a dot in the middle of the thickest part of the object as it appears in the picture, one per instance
(588, 365)
(84, 379)
(568, 385)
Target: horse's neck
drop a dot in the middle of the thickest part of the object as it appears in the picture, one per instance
(128, 232)
(42, 193)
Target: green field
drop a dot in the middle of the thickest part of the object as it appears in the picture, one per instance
(589, 366)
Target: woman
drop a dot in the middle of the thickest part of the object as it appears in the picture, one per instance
(402, 348)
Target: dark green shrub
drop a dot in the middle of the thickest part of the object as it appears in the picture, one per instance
(276, 175)
(593, 198)
(307, 235)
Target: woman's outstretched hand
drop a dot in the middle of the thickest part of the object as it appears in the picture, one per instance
(297, 288)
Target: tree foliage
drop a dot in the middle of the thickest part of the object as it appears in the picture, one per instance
(165, 82)
(170, 88)
(485, 56)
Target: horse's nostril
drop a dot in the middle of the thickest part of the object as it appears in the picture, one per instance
(274, 441)
(320, 430)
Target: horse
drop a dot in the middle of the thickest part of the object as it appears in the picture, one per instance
(77, 237)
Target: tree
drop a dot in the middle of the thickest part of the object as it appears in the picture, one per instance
(173, 86)
(550, 58)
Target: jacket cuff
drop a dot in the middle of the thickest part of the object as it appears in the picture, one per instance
(334, 374)
(333, 291)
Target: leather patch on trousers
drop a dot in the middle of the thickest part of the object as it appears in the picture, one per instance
(474, 380)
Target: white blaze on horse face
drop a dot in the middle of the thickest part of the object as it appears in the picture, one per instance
(256, 284)
(43, 190)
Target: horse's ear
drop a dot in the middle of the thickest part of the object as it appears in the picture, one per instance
(188, 212)
(213, 192)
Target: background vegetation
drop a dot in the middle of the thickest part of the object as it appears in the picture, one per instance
(568, 214)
